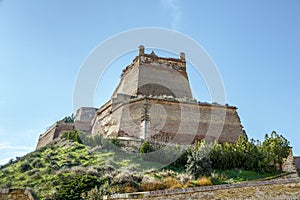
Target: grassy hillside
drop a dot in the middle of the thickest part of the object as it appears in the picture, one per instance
(70, 170)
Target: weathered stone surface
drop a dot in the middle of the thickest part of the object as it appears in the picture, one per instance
(297, 162)
(16, 194)
(289, 165)
(170, 121)
(54, 132)
(149, 74)
(83, 119)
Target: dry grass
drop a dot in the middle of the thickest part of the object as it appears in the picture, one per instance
(127, 188)
(171, 183)
(150, 184)
(154, 185)
(204, 181)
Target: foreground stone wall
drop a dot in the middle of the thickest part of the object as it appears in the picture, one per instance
(16, 194)
(274, 189)
(169, 121)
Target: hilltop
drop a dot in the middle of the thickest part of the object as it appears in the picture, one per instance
(67, 169)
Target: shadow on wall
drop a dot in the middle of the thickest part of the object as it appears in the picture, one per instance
(297, 162)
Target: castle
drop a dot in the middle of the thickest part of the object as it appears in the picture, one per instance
(153, 101)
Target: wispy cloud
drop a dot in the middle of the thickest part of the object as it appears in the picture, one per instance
(10, 151)
(4, 160)
(175, 11)
(7, 146)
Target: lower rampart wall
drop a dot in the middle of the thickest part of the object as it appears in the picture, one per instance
(170, 121)
(55, 132)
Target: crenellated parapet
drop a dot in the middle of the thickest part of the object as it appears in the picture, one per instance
(178, 64)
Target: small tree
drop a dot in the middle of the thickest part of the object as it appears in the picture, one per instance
(276, 147)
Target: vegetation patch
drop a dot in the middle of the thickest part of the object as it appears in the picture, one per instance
(67, 169)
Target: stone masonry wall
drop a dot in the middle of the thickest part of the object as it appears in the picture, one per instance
(83, 118)
(15, 194)
(46, 137)
(160, 79)
(53, 133)
(171, 121)
(128, 83)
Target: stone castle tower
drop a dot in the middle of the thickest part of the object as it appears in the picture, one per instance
(153, 101)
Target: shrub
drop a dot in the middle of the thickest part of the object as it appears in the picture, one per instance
(37, 163)
(116, 142)
(69, 119)
(94, 194)
(276, 147)
(25, 167)
(150, 184)
(146, 148)
(172, 154)
(72, 136)
(33, 171)
(199, 162)
(73, 188)
(128, 177)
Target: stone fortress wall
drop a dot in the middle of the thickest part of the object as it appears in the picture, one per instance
(54, 132)
(166, 121)
(174, 116)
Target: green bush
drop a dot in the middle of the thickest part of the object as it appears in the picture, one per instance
(94, 194)
(146, 148)
(69, 119)
(92, 140)
(173, 154)
(199, 160)
(116, 142)
(276, 147)
(73, 136)
(37, 163)
(72, 189)
(25, 167)
(251, 155)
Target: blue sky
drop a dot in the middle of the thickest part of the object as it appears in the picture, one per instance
(255, 45)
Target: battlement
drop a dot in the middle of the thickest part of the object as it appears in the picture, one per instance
(178, 64)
